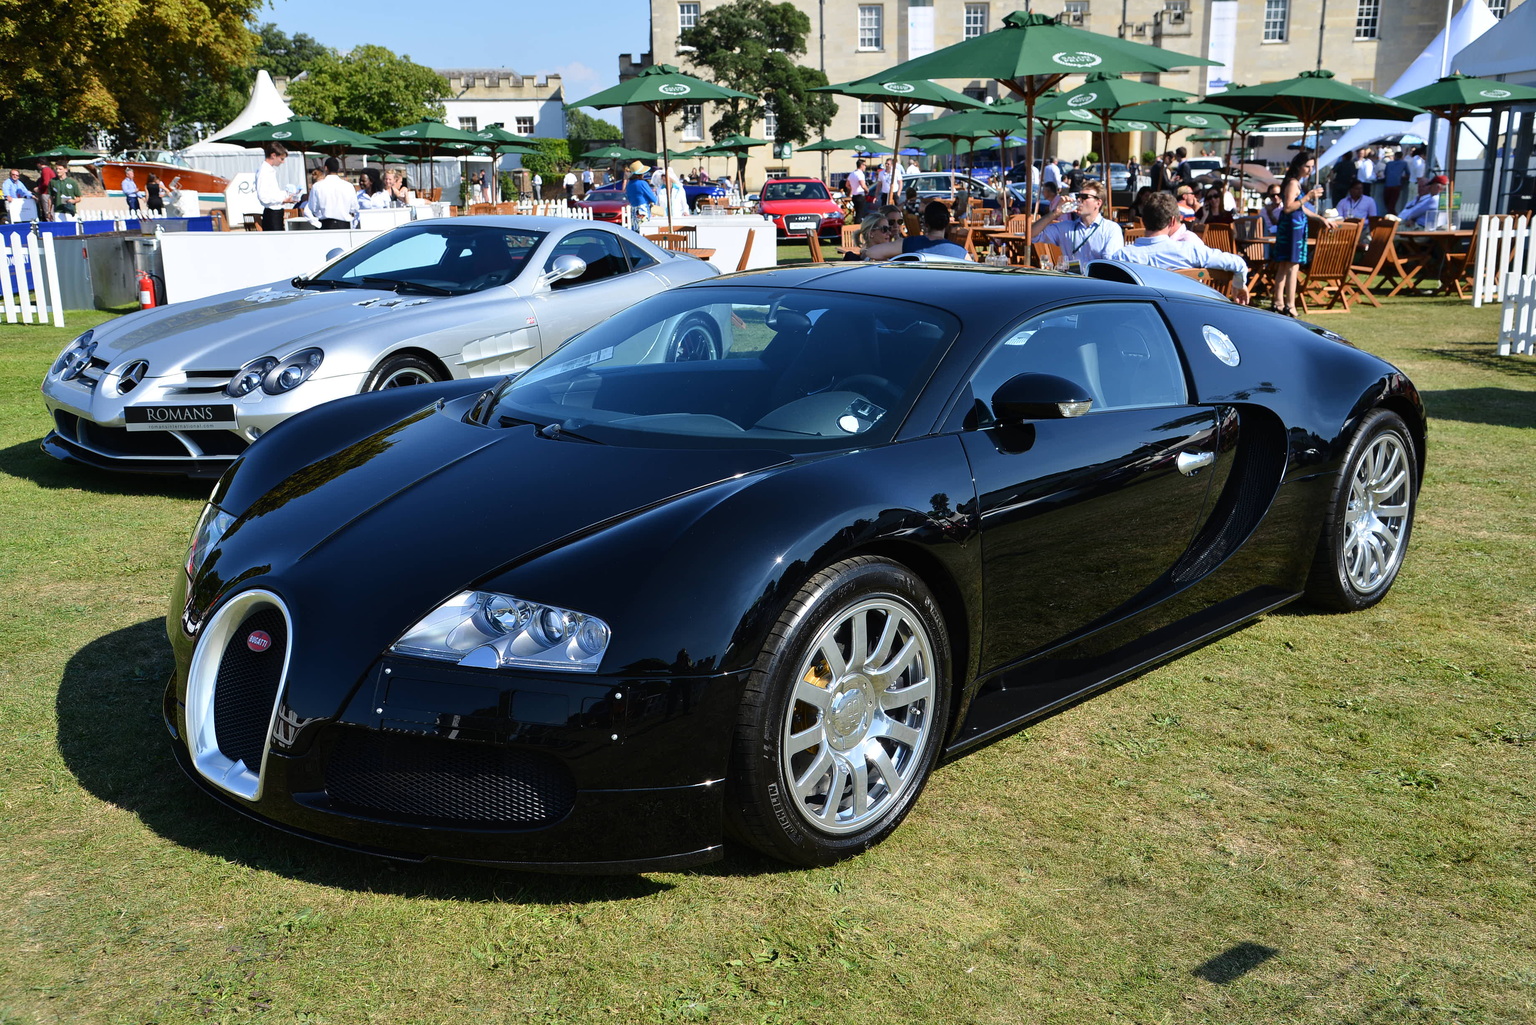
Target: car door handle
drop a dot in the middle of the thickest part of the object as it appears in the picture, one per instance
(1191, 463)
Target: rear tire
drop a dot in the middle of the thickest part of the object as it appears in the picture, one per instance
(843, 716)
(401, 372)
(1369, 519)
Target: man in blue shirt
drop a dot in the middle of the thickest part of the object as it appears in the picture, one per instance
(1084, 236)
(1159, 248)
(1425, 207)
(15, 192)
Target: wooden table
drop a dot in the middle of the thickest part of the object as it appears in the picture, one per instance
(1434, 247)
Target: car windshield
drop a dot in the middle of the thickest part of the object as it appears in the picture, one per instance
(795, 190)
(434, 257)
(737, 366)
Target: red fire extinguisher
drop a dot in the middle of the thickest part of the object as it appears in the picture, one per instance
(146, 291)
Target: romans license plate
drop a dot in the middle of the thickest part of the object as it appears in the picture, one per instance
(212, 416)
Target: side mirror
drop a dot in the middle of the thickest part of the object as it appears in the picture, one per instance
(564, 266)
(1039, 397)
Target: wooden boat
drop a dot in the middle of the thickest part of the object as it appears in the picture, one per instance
(163, 164)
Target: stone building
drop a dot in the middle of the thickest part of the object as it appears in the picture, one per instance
(1366, 42)
(524, 105)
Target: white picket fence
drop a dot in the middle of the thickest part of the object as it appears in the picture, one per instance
(34, 253)
(1517, 328)
(1506, 249)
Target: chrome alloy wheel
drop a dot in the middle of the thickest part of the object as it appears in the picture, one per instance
(405, 377)
(861, 716)
(1376, 517)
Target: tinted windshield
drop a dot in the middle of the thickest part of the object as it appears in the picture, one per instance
(795, 190)
(436, 256)
(738, 366)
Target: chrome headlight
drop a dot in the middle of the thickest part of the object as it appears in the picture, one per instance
(275, 376)
(75, 357)
(491, 631)
(210, 529)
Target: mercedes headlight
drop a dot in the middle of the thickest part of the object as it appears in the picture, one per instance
(273, 375)
(491, 631)
(211, 528)
(75, 357)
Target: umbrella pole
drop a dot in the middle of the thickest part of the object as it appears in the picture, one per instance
(1450, 172)
(1108, 205)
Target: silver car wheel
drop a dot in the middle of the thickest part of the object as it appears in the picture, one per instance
(861, 716)
(1377, 513)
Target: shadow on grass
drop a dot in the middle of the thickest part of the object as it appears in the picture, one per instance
(1501, 407)
(1484, 356)
(1233, 963)
(27, 462)
(112, 738)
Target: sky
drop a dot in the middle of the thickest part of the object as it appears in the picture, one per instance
(580, 41)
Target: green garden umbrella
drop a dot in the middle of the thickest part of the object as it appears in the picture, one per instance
(662, 90)
(901, 97)
(496, 139)
(617, 153)
(1032, 53)
(1105, 96)
(427, 138)
(857, 143)
(60, 153)
(1455, 97)
(306, 135)
(1311, 98)
(983, 122)
(735, 145)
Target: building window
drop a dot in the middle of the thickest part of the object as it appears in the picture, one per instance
(687, 16)
(693, 122)
(975, 20)
(522, 125)
(1497, 7)
(469, 124)
(871, 28)
(1277, 17)
(770, 124)
(1368, 84)
(1074, 11)
(1367, 19)
(871, 119)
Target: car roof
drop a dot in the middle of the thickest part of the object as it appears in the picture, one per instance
(985, 298)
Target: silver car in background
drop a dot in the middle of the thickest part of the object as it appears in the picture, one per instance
(184, 389)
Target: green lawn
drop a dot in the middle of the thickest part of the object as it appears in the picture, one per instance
(1325, 819)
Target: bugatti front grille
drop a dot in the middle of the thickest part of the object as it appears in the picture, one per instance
(245, 690)
(432, 781)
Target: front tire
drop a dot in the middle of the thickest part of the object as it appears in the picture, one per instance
(696, 337)
(1369, 519)
(401, 372)
(843, 716)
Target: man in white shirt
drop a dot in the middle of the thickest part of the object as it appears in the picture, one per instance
(883, 184)
(269, 191)
(1084, 236)
(1050, 174)
(586, 180)
(1357, 203)
(912, 167)
(1424, 210)
(1417, 169)
(570, 185)
(858, 189)
(1159, 248)
(332, 199)
(1365, 170)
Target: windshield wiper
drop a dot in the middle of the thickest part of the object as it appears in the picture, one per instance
(555, 431)
(323, 282)
(399, 286)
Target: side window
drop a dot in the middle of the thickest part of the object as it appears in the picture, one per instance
(600, 250)
(637, 257)
(1121, 353)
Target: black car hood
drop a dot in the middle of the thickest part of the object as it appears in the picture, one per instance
(432, 503)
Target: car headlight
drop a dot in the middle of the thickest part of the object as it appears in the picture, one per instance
(491, 631)
(75, 357)
(275, 376)
(211, 527)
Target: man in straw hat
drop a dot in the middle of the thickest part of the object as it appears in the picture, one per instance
(638, 194)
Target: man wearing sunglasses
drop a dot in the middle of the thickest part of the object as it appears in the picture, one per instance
(1082, 236)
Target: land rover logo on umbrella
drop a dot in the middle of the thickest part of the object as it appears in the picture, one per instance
(132, 374)
(898, 87)
(1082, 100)
(1495, 94)
(1196, 120)
(258, 640)
(1137, 126)
(1078, 59)
(409, 131)
(282, 135)
(1081, 115)
(675, 89)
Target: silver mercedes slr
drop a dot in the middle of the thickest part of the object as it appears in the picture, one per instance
(184, 389)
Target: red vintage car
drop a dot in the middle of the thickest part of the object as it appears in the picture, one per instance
(799, 206)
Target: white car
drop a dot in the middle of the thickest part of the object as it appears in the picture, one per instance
(184, 389)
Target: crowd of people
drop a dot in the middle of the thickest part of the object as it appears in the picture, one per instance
(54, 194)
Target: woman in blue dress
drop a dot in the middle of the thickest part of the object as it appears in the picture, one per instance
(1289, 251)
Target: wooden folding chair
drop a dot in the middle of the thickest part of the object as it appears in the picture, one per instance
(481, 208)
(912, 223)
(746, 251)
(1016, 224)
(960, 235)
(1458, 266)
(814, 244)
(1132, 234)
(1047, 254)
(850, 242)
(1327, 274)
(1220, 236)
(1019, 252)
(674, 240)
(1371, 261)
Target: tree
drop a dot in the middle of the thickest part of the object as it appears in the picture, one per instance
(113, 65)
(215, 104)
(750, 45)
(368, 90)
(553, 157)
(582, 130)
